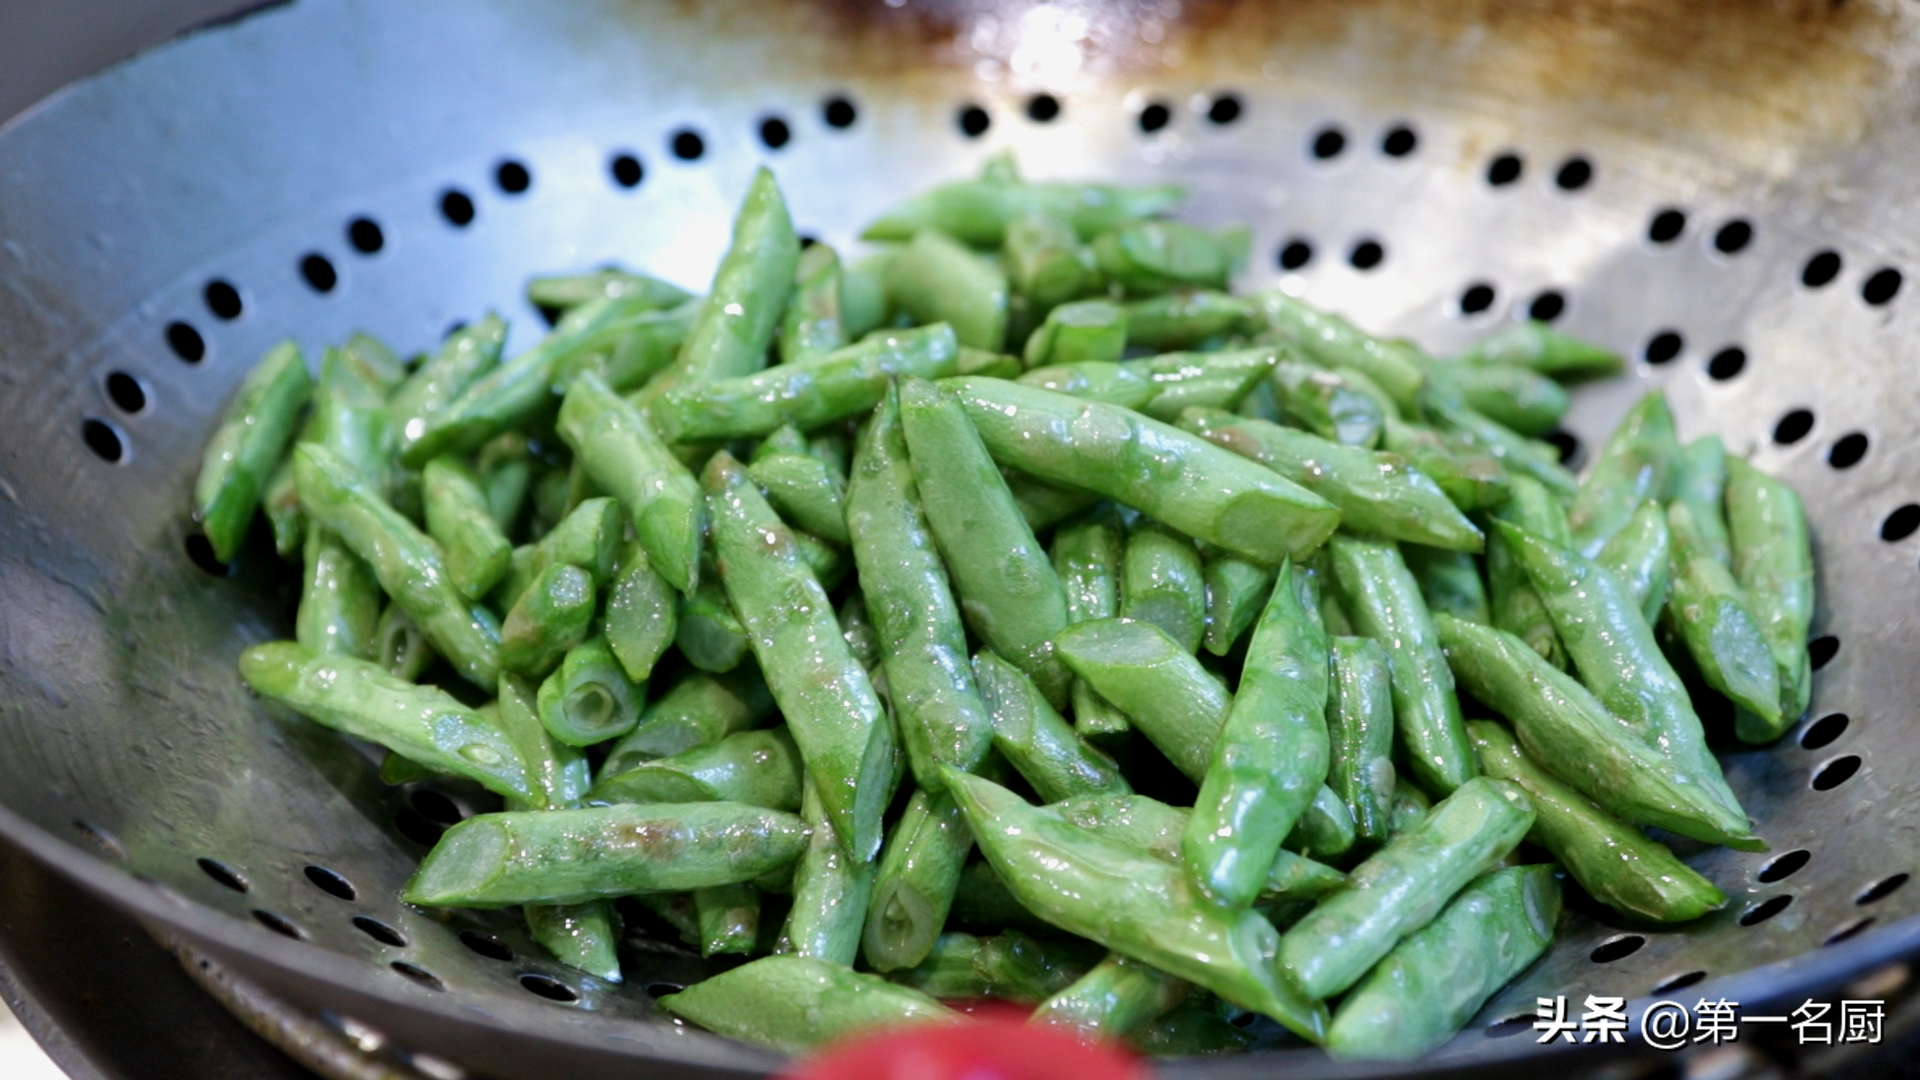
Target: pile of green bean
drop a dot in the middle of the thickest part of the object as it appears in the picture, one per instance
(768, 609)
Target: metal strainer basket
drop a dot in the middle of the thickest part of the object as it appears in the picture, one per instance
(1721, 191)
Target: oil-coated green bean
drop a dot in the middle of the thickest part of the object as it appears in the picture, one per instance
(245, 448)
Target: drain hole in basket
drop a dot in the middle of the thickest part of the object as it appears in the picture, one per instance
(1567, 443)
(1824, 731)
(1793, 427)
(486, 945)
(331, 882)
(1847, 450)
(1547, 306)
(186, 342)
(1574, 174)
(365, 235)
(1881, 889)
(1733, 236)
(627, 171)
(222, 299)
(1821, 269)
(974, 121)
(1503, 170)
(1509, 1026)
(688, 145)
(1849, 930)
(1616, 948)
(419, 975)
(1765, 909)
(1783, 866)
(318, 273)
(1225, 109)
(1821, 650)
(436, 807)
(1663, 347)
(1295, 254)
(102, 440)
(1836, 772)
(774, 132)
(379, 931)
(1666, 226)
(1366, 254)
(662, 989)
(1154, 117)
(224, 874)
(1043, 108)
(1881, 286)
(277, 923)
(1328, 142)
(548, 987)
(513, 177)
(125, 392)
(1901, 523)
(1677, 982)
(1477, 298)
(456, 207)
(416, 828)
(839, 113)
(1399, 141)
(1727, 363)
(200, 553)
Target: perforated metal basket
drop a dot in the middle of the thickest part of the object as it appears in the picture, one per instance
(1722, 192)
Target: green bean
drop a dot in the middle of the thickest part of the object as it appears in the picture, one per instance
(552, 616)
(628, 348)
(1130, 902)
(572, 856)
(1046, 263)
(640, 615)
(1094, 380)
(918, 876)
(793, 1004)
(349, 417)
(1162, 689)
(1517, 453)
(581, 936)
(1028, 970)
(1616, 863)
(810, 393)
(1213, 380)
(466, 357)
(699, 710)
(1431, 984)
(915, 619)
(1514, 602)
(240, 457)
(1700, 481)
(1087, 556)
(983, 902)
(1008, 590)
(844, 736)
(1640, 555)
(280, 501)
(1360, 730)
(1472, 478)
(947, 973)
(812, 324)
(1614, 649)
(1045, 505)
(1325, 829)
(758, 768)
(1186, 319)
(1538, 347)
(856, 629)
(1380, 494)
(374, 363)
(399, 646)
(1331, 341)
(1638, 462)
(1449, 581)
(591, 699)
(1204, 491)
(1112, 1001)
(1528, 403)
(477, 554)
(1385, 603)
(1715, 622)
(423, 723)
(1146, 258)
(1034, 739)
(728, 917)
(622, 453)
(1083, 332)
(806, 492)
(564, 291)
(1270, 757)
(1143, 824)
(707, 631)
(1563, 726)
(590, 537)
(831, 892)
(404, 560)
(982, 212)
(1237, 591)
(339, 599)
(1773, 560)
(935, 279)
(1404, 885)
(1410, 808)
(1323, 403)
(1162, 581)
(1188, 1030)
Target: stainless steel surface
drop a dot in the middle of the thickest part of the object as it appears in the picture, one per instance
(129, 750)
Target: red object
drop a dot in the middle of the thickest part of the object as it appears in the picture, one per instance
(996, 1044)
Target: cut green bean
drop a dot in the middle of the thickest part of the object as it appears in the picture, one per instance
(935, 279)
(1517, 453)
(1162, 581)
(1513, 396)
(1094, 380)
(831, 892)
(566, 291)
(1360, 730)
(918, 876)
(1187, 319)
(1188, 1030)
(1322, 402)
(699, 710)
(589, 537)
(374, 363)
(1211, 380)
(460, 520)
(1146, 258)
(1112, 1001)
(1083, 332)
(1449, 581)
(551, 617)
(805, 492)
(339, 599)
(1514, 603)
(1237, 591)
(1177, 704)
(1637, 462)
(1715, 622)
(1471, 477)
(1028, 970)
(793, 1004)
(624, 456)
(592, 699)
(1325, 829)
(812, 324)
(1332, 342)
(728, 917)
(1046, 263)
(981, 212)
(400, 647)
(1640, 555)
(245, 448)
(1143, 824)
(1034, 739)
(281, 503)
(1536, 346)
(1700, 481)
(1773, 561)
(466, 357)
(707, 631)
(758, 768)
(640, 615)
